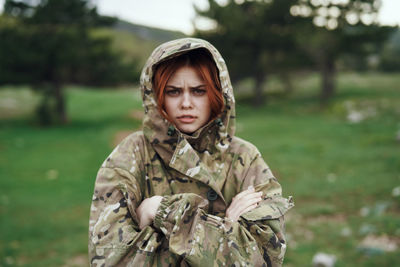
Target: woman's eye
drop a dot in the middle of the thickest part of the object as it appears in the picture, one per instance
(173, 92)
(199, 92)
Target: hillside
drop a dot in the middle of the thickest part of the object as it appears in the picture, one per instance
(147, 33)
(136, 42)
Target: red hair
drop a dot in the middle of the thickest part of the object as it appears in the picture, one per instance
(200, 59)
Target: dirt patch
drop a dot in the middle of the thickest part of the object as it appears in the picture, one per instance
(379, 243)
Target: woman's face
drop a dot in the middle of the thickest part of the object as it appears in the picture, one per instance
(186, 100)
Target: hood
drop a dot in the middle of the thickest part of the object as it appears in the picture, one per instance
(170, 143)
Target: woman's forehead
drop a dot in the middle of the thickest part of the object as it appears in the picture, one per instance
(186, 75)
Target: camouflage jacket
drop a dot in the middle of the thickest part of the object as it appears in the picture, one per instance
(198, 175)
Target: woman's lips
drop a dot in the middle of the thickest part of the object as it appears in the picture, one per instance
(186, 119)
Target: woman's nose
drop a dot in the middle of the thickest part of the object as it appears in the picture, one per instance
(186, 100)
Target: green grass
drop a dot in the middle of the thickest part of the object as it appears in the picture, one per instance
(47, 176)
(332, 167)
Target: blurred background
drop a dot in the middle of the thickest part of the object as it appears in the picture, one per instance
(318, 92)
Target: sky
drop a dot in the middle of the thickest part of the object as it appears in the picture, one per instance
(179, 14)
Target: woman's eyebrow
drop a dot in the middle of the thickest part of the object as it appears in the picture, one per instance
(198, 86)
(191, 87)
(173, 87)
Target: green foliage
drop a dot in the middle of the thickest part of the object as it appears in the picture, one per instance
(251, 47)
(53, 45)
(333, 167)
(390, 54)
(338, 30)
(264, 37)
(49, 44)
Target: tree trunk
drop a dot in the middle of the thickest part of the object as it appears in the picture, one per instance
(287, 82)
(328, 72)
(60, 103)
(259, 98)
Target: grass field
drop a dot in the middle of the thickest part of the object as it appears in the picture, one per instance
(341, 164)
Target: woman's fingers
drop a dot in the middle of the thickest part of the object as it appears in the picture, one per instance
(250, 196)
(245, 192)
(147, 210)
(245, 202)
(242, 203)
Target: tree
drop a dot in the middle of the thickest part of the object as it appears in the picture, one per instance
(263, 37)
(50, 44)
(256, 38)
(336, 28)
(390, 54)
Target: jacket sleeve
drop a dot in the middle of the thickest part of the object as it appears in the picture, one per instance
(114, 236)
(266, 222)
(257, 239)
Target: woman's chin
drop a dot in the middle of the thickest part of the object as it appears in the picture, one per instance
(187, 129)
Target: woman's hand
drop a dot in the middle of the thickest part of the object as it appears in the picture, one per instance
(146, 211)
(242, 203)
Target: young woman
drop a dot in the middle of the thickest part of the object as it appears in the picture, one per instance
(185, 191)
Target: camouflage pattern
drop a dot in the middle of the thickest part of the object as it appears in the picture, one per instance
(198, 175)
